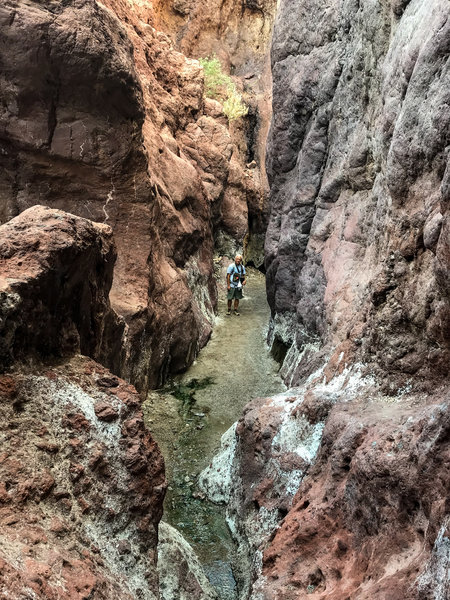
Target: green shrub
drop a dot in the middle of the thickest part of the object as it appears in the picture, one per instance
(220, 86)
(234, 107)
(217, 83)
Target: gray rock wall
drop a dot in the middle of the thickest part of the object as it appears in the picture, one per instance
(357, 247)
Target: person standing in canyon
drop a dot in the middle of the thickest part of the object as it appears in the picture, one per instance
(236, 279)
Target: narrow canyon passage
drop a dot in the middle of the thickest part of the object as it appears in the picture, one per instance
(232, 369)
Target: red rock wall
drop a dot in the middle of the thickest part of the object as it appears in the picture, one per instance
(357, 244)
(370, 518)
(82, 484)
(55, 275)
(99, 116)
(81, 479)
(239, 34)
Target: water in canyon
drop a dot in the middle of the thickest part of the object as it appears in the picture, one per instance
(189, 417)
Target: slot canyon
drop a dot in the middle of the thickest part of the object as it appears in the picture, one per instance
(153, 447)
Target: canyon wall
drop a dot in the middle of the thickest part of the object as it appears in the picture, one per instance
(358, 240)
(239, 34)
(339, 487)
(101, 117)
(81, 479)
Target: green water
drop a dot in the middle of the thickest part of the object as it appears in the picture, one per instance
(190, 416)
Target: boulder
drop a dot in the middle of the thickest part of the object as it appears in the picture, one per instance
(55, 275)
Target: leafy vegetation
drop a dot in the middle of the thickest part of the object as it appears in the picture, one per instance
(220, 86)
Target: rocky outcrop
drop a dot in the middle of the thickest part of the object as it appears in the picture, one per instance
(55, 275)
(357, 244)
(180, 572)
(82, 486)
(239, 34)
(371, 518)
(112, 126)
(82, 480)
(336, 490)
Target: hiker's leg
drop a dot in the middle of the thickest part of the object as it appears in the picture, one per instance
(236, 303)
(229, 304)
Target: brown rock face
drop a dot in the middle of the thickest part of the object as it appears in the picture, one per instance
(99, 116)
(82, 480)
(239, 35)
(55, 276)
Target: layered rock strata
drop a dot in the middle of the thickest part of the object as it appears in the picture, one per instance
(358, 239)
(101, 117)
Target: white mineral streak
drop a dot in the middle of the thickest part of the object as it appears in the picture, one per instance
(132, 568)
(216, 480)
(198, 285)
(181, 576)
(435, 580)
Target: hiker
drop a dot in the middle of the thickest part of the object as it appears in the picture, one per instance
(236, 278)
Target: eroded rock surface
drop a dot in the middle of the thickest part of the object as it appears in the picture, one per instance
(81, 479)
(101, 117)
(335, 490)
(357, 263)
(368, 517)
(357, 245)
(82, 484)
(180, 572)
(56, 272)
(239, 34)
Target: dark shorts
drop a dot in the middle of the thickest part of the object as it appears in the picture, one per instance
(234, 293)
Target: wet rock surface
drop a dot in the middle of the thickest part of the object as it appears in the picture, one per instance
(357, 244)
(189, 428)
(180, 572)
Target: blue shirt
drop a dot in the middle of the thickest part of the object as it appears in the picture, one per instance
(234, 269)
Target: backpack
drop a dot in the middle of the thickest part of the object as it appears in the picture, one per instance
(237, 274)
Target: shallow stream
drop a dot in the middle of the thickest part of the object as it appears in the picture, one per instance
(190, 416)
